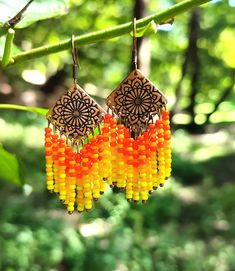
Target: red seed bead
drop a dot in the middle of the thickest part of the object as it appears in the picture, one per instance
(106, 138)
(113, 144)
(105, 130)
(167, 137)
(48, 144)
(55, 136)
(135, 164)
(165, 115)
(160, 144)
(152, 126)
(113, 122)
(107, 117)
(61, 140)
(48, 129)
(93, 140)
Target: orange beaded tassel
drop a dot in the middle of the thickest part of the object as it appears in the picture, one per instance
(140, 141)
(78, 163)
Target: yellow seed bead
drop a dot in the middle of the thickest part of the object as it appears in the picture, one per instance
(87, 185)
(80, 208)
(87, 194)
(120, 163)
(62, 158)
(88, 205)
(70, 208)
(62, 175)
(144, 196)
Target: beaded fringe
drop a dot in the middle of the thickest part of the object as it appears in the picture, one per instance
(78, 174)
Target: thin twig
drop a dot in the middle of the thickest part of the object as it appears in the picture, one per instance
(18, 17)
(8, 46)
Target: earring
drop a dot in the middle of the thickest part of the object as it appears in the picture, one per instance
(74, 154)
(140, 140)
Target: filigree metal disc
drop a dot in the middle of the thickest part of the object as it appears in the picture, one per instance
(135, 100)
(75, 114)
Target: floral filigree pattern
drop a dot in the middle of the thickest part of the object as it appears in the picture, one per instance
(75, 113)
(136, 99)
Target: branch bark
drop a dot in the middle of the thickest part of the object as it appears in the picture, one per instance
(106, 34)
(223, 96)
(195, 65)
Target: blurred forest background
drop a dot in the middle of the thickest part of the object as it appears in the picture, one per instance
(188, 225)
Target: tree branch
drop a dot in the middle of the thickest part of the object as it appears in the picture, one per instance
(107, 33)
(222, 97)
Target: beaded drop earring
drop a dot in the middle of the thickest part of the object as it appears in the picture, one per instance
(74, 147)
(140, 143)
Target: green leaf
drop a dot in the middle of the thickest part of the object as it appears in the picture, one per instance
(9, 167)
(37, 10)
(149, 29)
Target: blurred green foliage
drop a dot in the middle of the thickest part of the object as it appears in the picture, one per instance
(189, 224)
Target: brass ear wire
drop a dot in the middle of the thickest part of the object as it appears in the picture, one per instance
(76, 63)
(134, 50)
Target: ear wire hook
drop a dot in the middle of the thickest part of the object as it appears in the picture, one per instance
(134, 50)
(76, 64)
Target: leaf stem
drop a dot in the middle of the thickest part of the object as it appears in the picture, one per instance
(38, 110)
(107, 33)
(7, 49)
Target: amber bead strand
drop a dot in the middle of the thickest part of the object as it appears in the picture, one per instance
(121, 168)
(100, 143)
(148, 162)
(95, 169)
(79, 183)
(160, 153)
(49, 159)
(136, 188)
(167, 142)
(153, 154)
(61, 169)
(107, 171)
(113, 149)
(142, 169)
(71, 181)
(87, 189)
(68, 151)
(128, 152)
(55, 158)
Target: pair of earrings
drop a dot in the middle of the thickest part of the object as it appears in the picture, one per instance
(128, 146)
